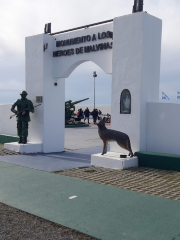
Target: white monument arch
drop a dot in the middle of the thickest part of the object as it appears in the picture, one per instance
(133, 60)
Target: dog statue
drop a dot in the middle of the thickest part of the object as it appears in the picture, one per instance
(108, 135)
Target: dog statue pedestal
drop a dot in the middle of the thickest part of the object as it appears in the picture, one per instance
(112, 160)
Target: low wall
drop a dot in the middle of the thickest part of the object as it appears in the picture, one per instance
(4, 138)
(7, 125)
(163, 128)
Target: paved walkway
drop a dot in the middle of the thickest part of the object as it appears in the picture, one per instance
(79, 138)
(80, 143)
(53, 162)
(157, 182)
(105, 212)
(49, 162)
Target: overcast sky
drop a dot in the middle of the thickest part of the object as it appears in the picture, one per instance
(22, 18)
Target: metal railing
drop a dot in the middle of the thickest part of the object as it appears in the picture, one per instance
(85, 26)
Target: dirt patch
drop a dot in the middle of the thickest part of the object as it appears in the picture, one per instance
(19, 225)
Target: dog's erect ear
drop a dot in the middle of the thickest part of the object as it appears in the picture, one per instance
(104, 119)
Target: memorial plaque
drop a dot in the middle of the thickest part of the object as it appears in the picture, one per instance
(125, 102)
(39, 99)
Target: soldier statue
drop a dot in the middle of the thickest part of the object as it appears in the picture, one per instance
(24, 106)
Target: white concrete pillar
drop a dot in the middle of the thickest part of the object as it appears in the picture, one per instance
(47, 123)
(136, 67)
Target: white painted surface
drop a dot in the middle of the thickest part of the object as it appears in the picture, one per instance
(7, 126)
(47, 124)
(135, 66)
(112, 160)
(64, 66)
(30, 147)
(163, 131)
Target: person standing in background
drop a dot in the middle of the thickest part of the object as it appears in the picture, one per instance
(95, 115)
(86, 114)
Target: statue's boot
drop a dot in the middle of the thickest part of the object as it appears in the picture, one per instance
(20, 140)
(24, 140)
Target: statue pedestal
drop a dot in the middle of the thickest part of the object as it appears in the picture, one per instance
(30, 147)
(113, 160)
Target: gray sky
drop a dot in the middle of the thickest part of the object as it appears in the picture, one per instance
(22, 18)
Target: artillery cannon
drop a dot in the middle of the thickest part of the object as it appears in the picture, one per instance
(69, 110)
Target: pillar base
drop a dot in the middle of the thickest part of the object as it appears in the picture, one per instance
(30, 147)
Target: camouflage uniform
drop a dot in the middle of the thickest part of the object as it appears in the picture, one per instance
(23, 116)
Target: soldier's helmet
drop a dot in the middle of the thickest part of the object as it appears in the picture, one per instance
(23, 93)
